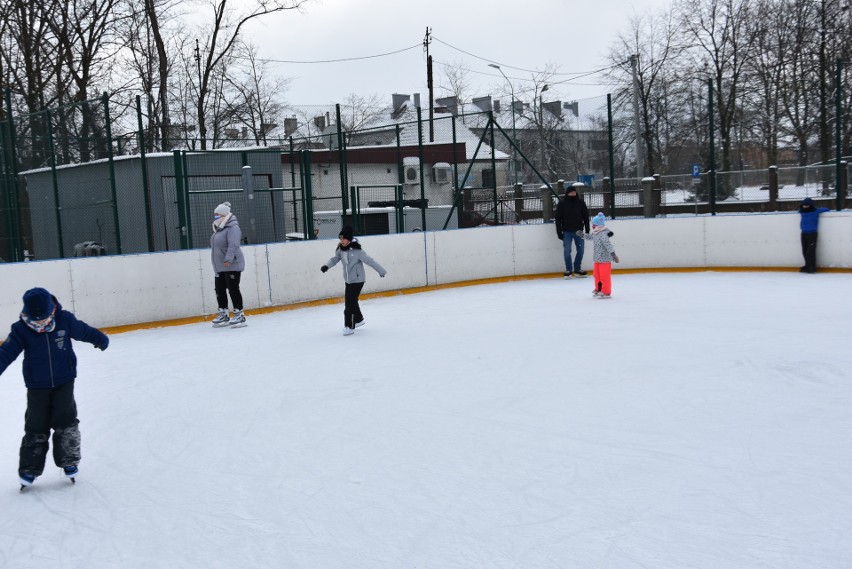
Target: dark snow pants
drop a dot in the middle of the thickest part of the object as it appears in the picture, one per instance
(809, 245)
(352, 312)
(52, 408)
(228, 281)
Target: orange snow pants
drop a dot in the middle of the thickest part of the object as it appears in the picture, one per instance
(603, 277)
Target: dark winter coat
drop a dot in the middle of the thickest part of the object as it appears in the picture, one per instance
(49, 359)
(810, 215)
(571, 216)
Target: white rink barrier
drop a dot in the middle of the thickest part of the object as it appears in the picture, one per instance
(144, 288)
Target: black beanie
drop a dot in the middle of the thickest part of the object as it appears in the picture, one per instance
(347, 232)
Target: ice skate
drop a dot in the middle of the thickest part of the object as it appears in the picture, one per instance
(26, 480)
(222, 319)
(361, 323)
(567, 275)
(580, 274)
(348, 331)
(239, 319)
(71, 472)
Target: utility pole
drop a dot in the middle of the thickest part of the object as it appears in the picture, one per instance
(634, 63)
(426, 41)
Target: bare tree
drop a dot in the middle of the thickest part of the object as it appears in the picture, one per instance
(652, 39)
(726, 43)
(222, 33)
(256, 99)
(455, 81)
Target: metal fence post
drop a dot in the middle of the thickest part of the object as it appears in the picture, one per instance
(17, 223)
(55, 179)
(611, 156)
(105, 98)
(146, 189)
(248, 192)
(773, 187)
(420, 157)
(183, 229)
(712, 172)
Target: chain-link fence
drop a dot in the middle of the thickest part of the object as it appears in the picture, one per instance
(72, 188)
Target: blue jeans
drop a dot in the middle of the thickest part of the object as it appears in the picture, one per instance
(579, 244)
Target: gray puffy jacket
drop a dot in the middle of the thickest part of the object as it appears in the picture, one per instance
(604, 251)
(353, 260)
(225, 246)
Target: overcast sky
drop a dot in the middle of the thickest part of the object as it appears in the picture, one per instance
(524, 36)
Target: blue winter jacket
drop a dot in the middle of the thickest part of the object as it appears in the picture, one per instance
(49, 359)
(810, 216)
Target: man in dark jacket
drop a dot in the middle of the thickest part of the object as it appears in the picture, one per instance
(44, 333)
(571, 216)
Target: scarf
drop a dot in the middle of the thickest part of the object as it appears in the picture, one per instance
(220, 223)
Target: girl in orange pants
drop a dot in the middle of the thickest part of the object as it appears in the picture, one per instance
(604, 254)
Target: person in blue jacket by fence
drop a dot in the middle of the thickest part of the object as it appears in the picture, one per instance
(808, 224)
(44, 333)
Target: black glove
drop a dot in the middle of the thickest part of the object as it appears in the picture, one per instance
(103, 345)
(561, 236)
(323, 268)
(609, 233)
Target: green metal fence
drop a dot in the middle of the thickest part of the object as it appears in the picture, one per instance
(71, 187)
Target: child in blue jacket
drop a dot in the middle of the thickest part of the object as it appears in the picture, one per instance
(808, 225)
(44, 333)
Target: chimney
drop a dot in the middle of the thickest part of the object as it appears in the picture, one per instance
(482, 103)
(554, 108)
(497, 106)
(450, 103)
(573, 106)
(319, 122)
(399, 101)
(416, 100)
(290, 125)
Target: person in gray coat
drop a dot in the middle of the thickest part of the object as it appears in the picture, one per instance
(353, 258)
(228, 264)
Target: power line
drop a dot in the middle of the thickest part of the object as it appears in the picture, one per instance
(341, 59)
(574, 75)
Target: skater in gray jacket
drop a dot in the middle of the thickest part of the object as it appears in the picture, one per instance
(353, 258)
(228, 264)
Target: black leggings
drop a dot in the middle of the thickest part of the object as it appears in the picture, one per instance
(228, 281)
(51, 408)
(352, 312)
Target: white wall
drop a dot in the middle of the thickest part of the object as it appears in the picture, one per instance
(112, 291)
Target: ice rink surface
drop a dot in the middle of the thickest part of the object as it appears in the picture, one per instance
(699, 420)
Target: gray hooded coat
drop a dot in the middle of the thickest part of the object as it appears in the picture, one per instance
(353, 259)
(225, 246)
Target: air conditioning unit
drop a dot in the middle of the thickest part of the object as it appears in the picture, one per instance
(411, 170)
(442, 173)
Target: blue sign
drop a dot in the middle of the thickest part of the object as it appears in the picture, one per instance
(696, 170)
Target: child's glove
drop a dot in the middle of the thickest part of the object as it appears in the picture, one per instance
(615, 257)
(103, 345)
(383, 274)
(323, 268)
(579, 233)
(609, 233)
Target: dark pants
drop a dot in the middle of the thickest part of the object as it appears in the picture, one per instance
(47, 409)
(809, 244)
(229, 281)
(352, 312)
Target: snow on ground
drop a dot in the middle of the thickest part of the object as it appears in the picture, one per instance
(692, 421)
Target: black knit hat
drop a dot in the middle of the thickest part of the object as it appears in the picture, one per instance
(347, 232)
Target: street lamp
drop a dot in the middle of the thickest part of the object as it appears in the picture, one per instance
(514, 133)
